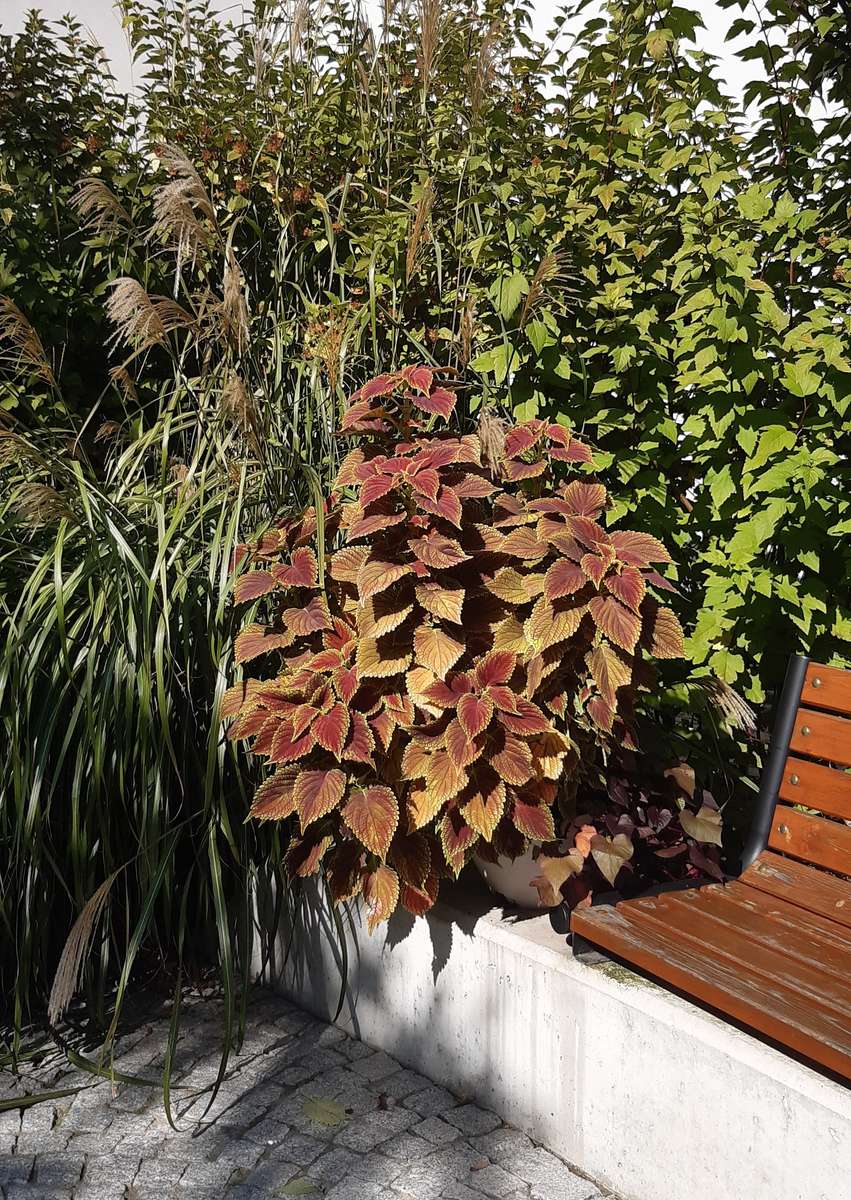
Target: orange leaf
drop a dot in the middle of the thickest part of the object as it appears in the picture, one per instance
(485, 809)
(444, 778)
(381, 892)
(331, 728)
(664, 630)
(275, 798)
(618, 624)
(456, 837)
(372, 814)
(375, 575)
(255, 640)
(436, 650)
(460, 748)
(512, 759)
(381, 658)
(443, 600)
(317, 792)
(535, 821)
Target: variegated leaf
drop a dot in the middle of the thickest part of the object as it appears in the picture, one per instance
(381, 892)
(436, 650)
(372, 814)
(317, 792)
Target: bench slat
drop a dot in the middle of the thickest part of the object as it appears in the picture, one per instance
(827, 687)
(774, 1009)
(806, 887)
(817, 786)
(784, 927)
(821, 735)
(761, 947)
(813, 839)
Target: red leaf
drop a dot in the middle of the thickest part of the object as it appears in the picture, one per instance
(418, 900)
(372, 814)
(517, 470)
(585, 499)
(535, 821)
(504, 698)
(375, 488)
(439, 401)
(522, 437)
(346, 682)
(576, 452)
(301, 621)
(360, 743)
(496, 667)
(638, 549)
(425, 482)
(285, 748)
(618, 624)
(275, 798)
(628, 586)
(317, 793)
(302, 569)
(331, 728)
(383, 725)
(588, 532)
(255, 640)
(474, 713)
(374, 524)
(529, 719)
(601, 713)
(252, 585)
(594, 567)
(447, 505)
(563, 579)
(418, 378)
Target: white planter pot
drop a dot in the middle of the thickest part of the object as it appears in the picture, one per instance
(512, 878)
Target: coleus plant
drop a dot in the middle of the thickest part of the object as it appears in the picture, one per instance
(475, 635)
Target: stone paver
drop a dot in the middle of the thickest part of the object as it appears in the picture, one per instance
(303, 1110)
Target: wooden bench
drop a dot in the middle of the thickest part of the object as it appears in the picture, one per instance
(772, 948)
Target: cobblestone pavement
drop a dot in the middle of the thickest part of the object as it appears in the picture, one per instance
(304, 1111)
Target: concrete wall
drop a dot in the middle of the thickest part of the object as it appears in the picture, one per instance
(639, 1089)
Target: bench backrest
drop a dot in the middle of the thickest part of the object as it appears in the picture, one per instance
(819, 747)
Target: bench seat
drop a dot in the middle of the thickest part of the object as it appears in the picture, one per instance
(772, 948)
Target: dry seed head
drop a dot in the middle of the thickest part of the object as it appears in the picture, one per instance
(21, 350)
(99, 207)
(181, 207)
(733, 708)
(121, 378)
(40, 505)
(234, 309)
(550, 271)
(482, 72)
(73, 958)
(430, 19)
(491, 431)
(420, 230)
